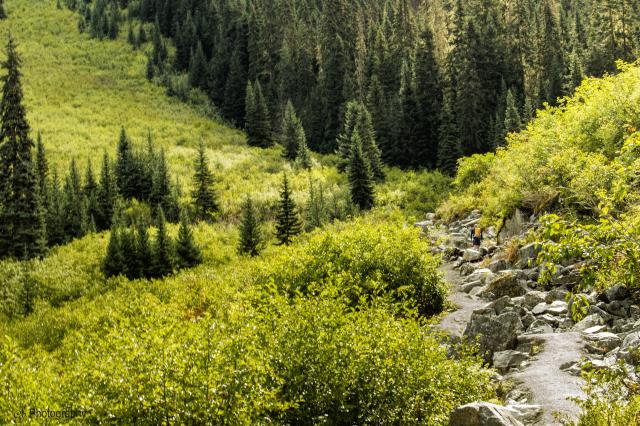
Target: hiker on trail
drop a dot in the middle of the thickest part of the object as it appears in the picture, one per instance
(476, 236)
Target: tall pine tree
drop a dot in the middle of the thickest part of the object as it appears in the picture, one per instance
(288, 223)
(360, 176)
(204, 198)
(251, 239)
(22, 216)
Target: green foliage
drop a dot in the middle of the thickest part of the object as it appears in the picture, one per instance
(533, 172)
(364, 260)
(612, 398)
(608, 249)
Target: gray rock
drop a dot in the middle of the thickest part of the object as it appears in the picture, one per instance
(476, 291)
(504, 360)
(565, 323)
(588, 322)
(629, 345)
(616, 292)
(558, 307)
(471, 255)
(552, 320)
(467, 268)
(556, 294)
(527, 319)
(498, 265)
(501, 304)
(495, 333)
(534, 298)
(527, 255)
(483, 414)
(482, 274)
(617, 308)
(539, 327)
(512, 227)
(634, 311)
(603, 342)
(595, 329)
(470, 286)
(506, 283)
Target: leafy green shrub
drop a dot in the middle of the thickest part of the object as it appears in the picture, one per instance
(566, 155)
(363, 260)
(612, 399)
(472, 169)
(415, 192)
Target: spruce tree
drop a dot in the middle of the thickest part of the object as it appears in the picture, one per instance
(3, 14)
(204, 198)
(55, 213)
(288, 223)
(449, 149)
(106, 196)
(293, 137)
(251, 239)
(73, 204)
(188, 254)
(161, 186)
(22, 216)
(162, 264)
(360, 176)
(90, 191)
(315, 209)
(358, 119)
(126, 168)
(512, 120)
(143, 253)
(113, 262)
(198, 68)
(257, 119)
(42, 168)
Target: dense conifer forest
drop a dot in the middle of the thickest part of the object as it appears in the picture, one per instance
(422, 69)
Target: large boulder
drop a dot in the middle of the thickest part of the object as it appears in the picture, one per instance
(616, 292)
(498, 265)
(602, 342)
(504, 360)
(494, 333)
(533, 299)
(514, 226)
(527, 254)
(471, 255)
(557, 307)
(506, 283)
(487, 414)
(482, 274)
(588, 322)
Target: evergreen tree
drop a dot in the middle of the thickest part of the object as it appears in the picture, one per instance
(3, 15)
(198, 68)
(55, 213)
(204, 198)
(360, 176)
(315, 209)
(288, 223)
(188, 254)
(512, 120)
(293, 137)
(251, 240)
(233, 106)
(131, 38)
(357, 119)
(143, 253)
(257, 120)
(22, 216)
(429, 99)
(142, 35)
(449, 149)
(90, 192)
(42, 168)
(161, 186)
(74, 214)
(106, 196)
(162, 264)
(126, 169)
(114, 260)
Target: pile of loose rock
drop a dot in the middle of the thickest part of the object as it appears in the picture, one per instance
(518, 307)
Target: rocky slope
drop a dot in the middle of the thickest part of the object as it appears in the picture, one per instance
(525, 330)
